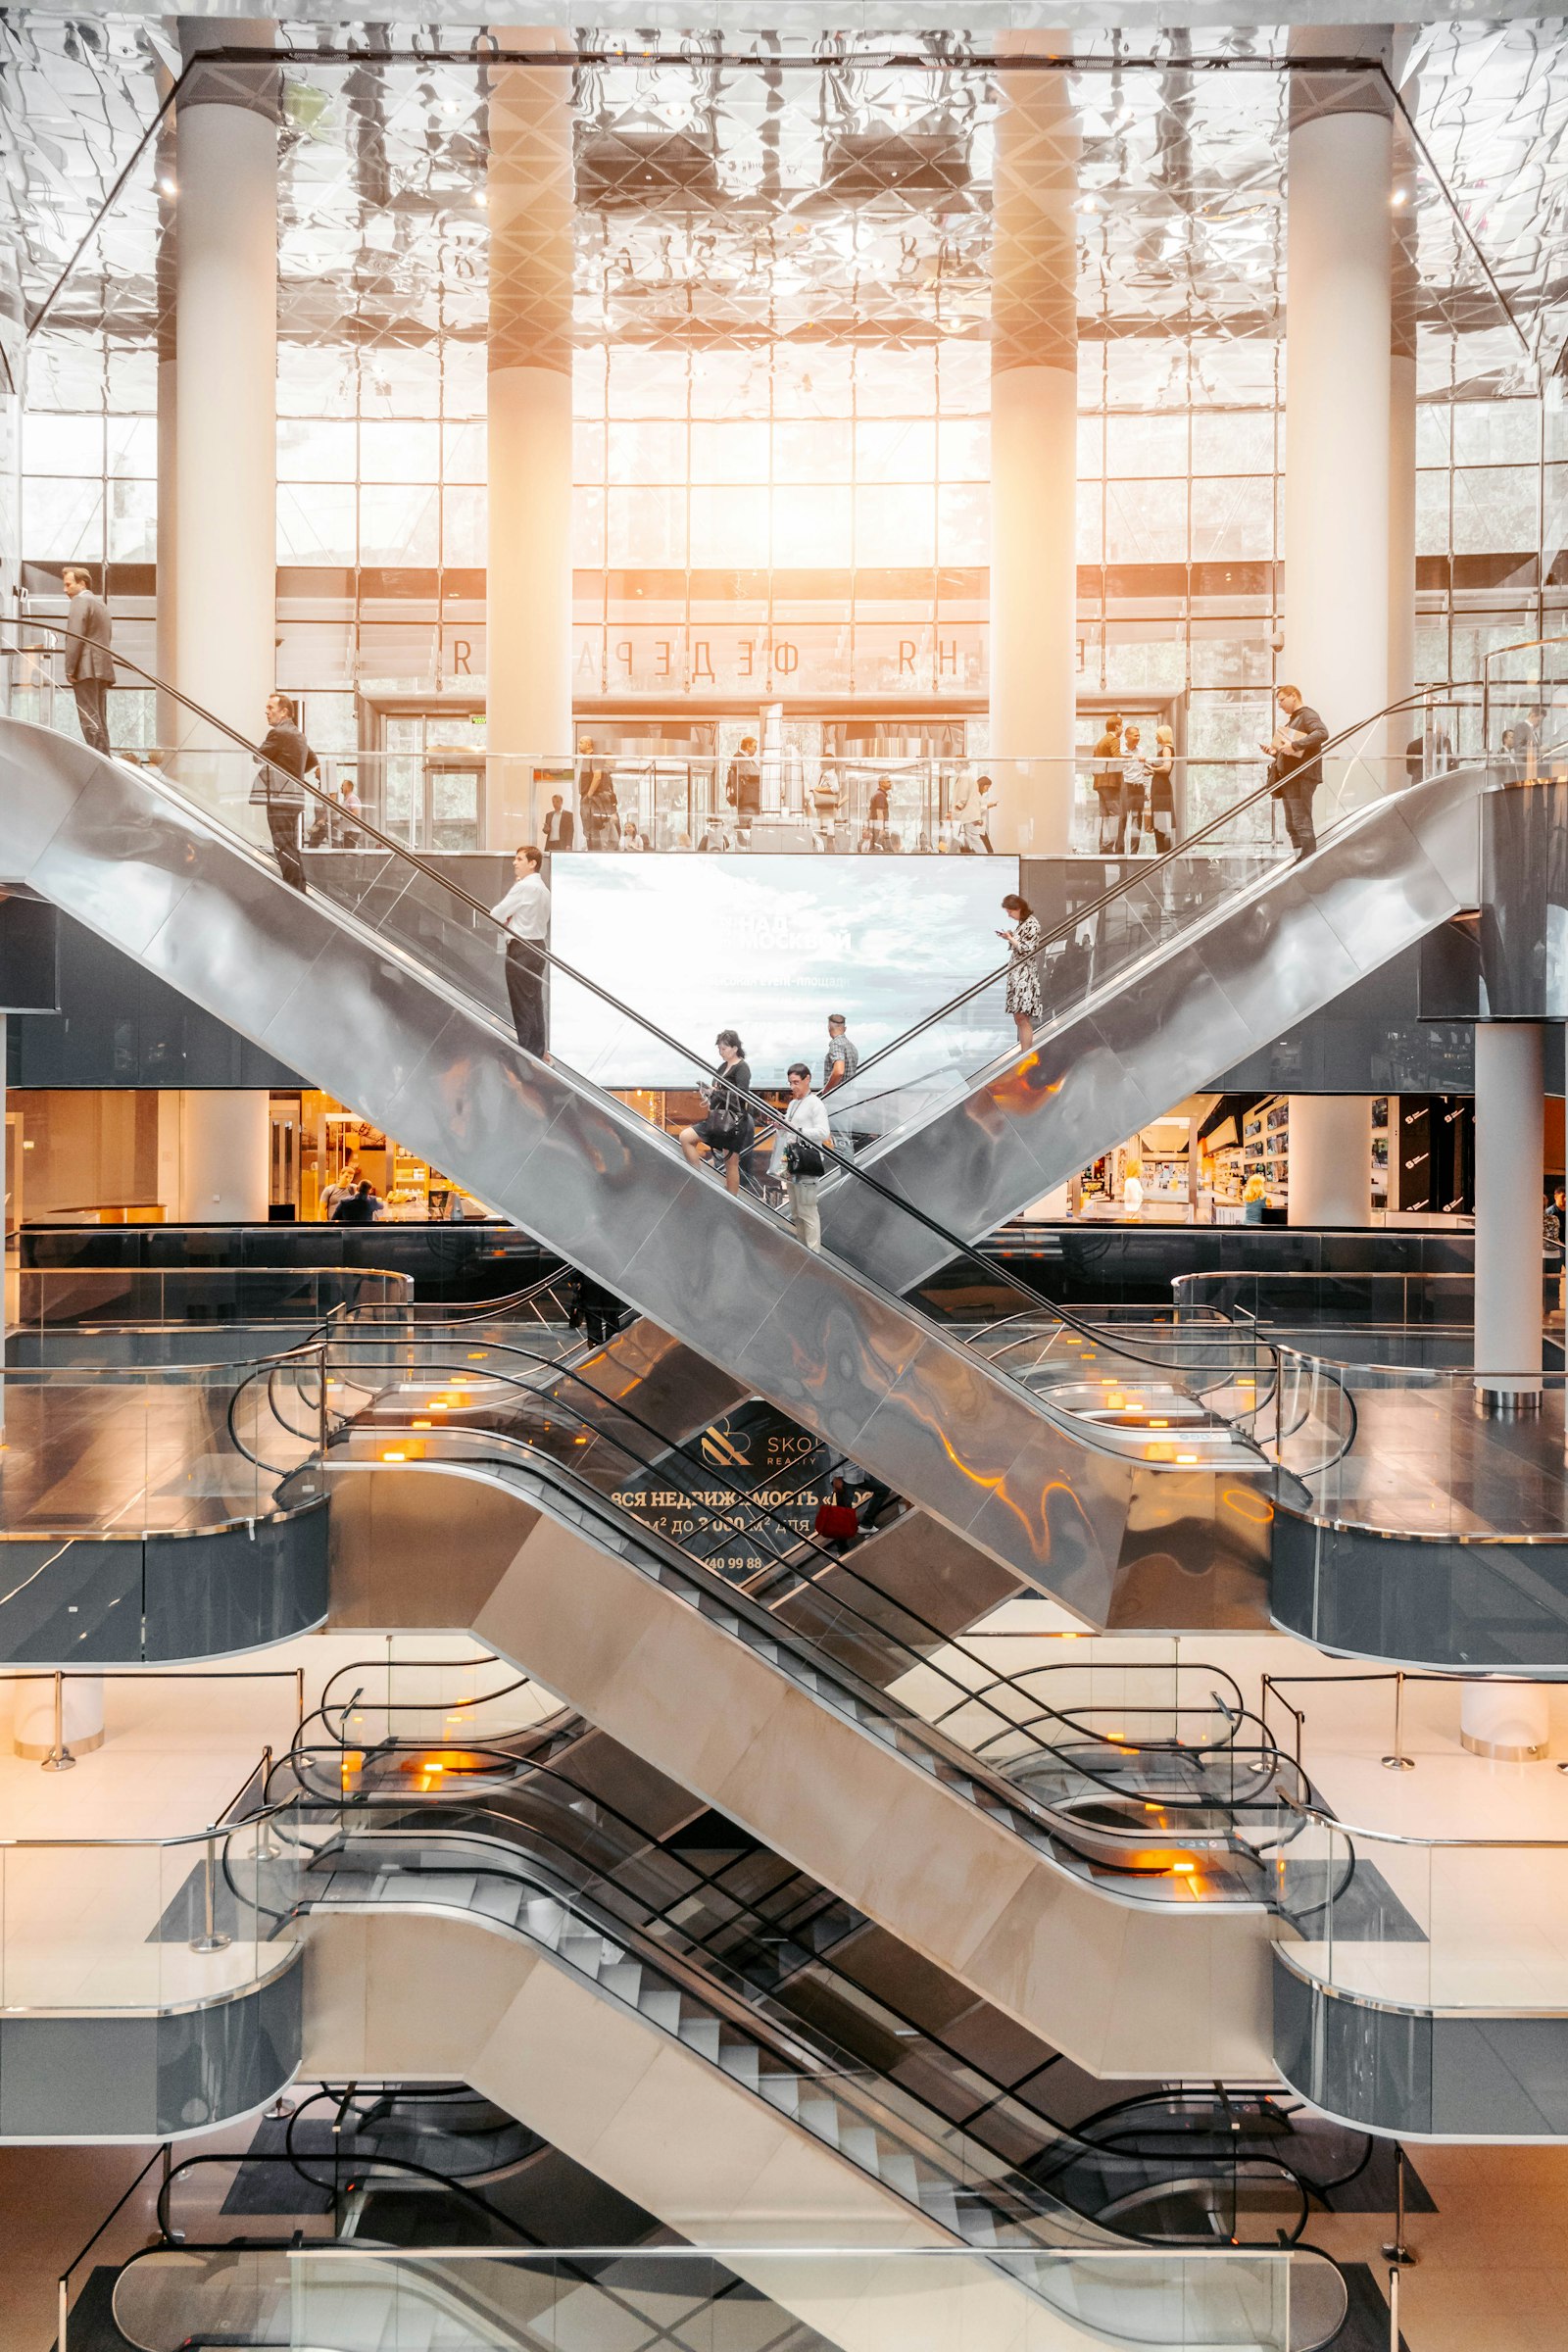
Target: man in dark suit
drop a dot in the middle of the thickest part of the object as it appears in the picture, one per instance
(559, 825)
(90, 664)
(283, 760)
(1295, 769)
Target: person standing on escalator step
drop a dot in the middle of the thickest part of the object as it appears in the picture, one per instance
(1295, 768)
(525, 916)
(283, 758)
(89, 664)
(596, 1311)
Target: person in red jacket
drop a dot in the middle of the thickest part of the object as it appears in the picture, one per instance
(837, 1522)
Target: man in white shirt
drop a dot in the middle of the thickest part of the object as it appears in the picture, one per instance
(805, 1121)
(989, 802)
(524, 912)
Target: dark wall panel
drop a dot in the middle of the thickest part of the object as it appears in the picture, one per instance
(118, 1025)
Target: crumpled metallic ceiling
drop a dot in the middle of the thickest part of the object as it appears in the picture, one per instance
(797, 189)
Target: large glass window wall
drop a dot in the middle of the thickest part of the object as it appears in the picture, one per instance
(803, 519)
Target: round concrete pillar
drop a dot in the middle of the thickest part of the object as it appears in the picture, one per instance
(225, 386)
(1338, 383)
(34, 1723)
(1510, 1113)
(1508, 1722)
(1034, 451)
(528, 192)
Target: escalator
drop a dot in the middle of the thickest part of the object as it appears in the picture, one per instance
(617, 1916)
(816, 1677)
(824, 1962)
(162, 863)
(367, 2248)
(1185, 966)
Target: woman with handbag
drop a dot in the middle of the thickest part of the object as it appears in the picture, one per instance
(727, 1129)
(798, 1154)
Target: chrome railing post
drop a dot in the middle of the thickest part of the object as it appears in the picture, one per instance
(212, 1939)
(1395, 2340)
(1399, 1761)
(60, 1757)
(1397, 2252)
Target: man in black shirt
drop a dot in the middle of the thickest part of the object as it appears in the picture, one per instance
(1295, 769)
(283, 758)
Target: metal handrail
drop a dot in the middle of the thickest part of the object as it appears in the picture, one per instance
(1143, 868)
(693, 1968)
(873, 1617)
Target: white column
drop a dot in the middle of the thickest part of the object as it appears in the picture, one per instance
(1508, 1722)
(1034, 452)
(166, 660)
(528, 560)
(1338, 386)
(82, 1716)
(1510, 1117)
(1330, 1159)
(225, 363)
(1405, 280)
(223, 1142)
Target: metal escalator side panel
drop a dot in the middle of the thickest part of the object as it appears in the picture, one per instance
(1271, 956)
(360, 1017)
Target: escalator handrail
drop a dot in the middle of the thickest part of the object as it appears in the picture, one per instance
(1035, 1813)
(756, 1104)
(846, 2075)
(1143, 868)
(778, 1629)
(704, 1977)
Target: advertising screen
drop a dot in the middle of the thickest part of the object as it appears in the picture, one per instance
(769, 946)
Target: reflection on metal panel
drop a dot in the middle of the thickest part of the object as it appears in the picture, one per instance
(366, 1016)
(1171, 1022)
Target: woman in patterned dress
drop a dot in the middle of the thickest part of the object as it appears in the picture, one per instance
(1023, 980)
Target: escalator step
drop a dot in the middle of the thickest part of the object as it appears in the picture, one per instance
(781, 2090)
(701, 2034)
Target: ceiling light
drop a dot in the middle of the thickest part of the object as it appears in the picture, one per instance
(168, 187)
(1401, 196)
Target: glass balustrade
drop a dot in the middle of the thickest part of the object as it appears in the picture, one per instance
(861, 2297)
(113, 1925)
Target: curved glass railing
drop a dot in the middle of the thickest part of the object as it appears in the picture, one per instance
(149, 1926)
(1465, 1926)
(1218, 2299)
(119, 1451)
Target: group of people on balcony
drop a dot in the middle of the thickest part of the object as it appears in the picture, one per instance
(1132, 786)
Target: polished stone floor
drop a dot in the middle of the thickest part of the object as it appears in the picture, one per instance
(116, 1452)
(1424, 1461)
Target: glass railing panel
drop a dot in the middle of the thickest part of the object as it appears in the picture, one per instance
(344, 2298)
(124, 1926)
